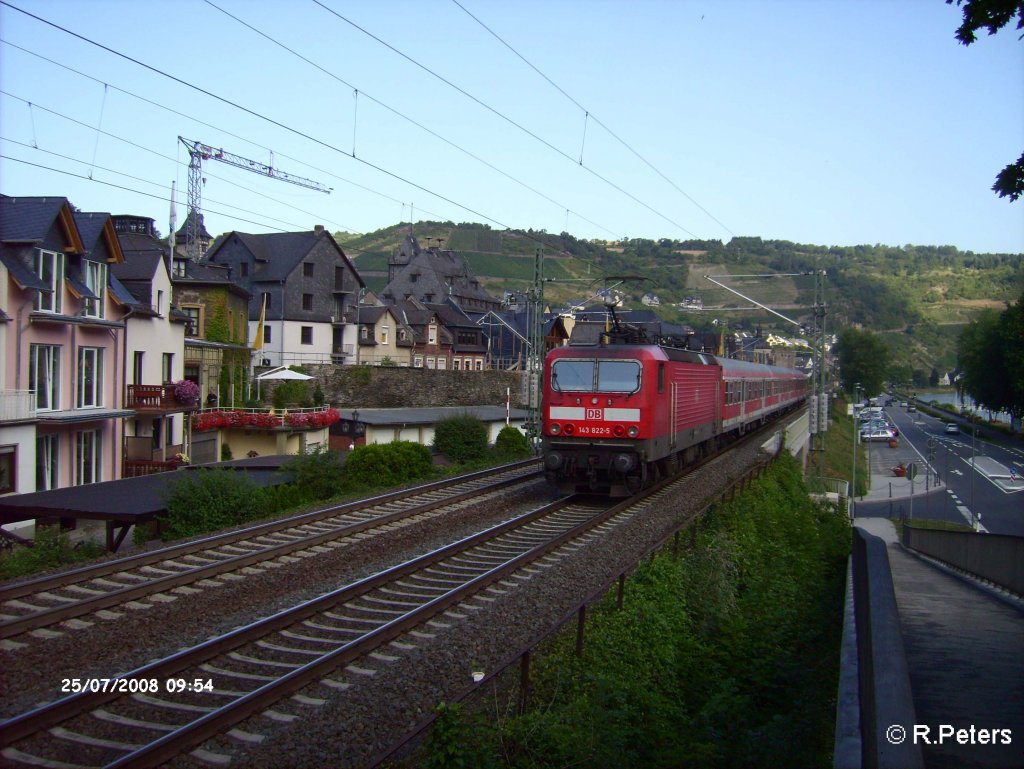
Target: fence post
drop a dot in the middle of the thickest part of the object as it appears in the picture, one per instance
(622, 589)
(580, 622)
(524, 681)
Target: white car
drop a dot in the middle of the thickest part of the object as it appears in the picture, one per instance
(952, 429)
(877, 434)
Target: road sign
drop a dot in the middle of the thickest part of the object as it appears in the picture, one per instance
(912, 470)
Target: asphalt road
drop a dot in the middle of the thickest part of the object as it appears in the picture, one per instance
(979, 480)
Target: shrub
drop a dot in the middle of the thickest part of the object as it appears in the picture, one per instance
(206, 500)
(511, 443)
(461, 438)
(388, 464)
(317, 473)
(291, 392)
(52, 549)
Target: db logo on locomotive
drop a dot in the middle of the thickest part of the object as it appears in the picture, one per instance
(595, 414)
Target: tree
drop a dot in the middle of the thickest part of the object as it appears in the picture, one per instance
(863, 359)
(993, 15)
(990, 353)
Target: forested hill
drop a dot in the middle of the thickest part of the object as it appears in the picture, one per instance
(919, 296)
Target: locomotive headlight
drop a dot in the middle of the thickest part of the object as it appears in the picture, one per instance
(554, 428)
(634, 431)
(624, 462)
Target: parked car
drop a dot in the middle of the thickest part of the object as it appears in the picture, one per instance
(911, 409)
(952, 428)
(877, 434)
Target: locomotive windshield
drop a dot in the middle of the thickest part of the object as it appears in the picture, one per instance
(603, 376)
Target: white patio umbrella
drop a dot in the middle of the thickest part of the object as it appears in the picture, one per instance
(279, 373)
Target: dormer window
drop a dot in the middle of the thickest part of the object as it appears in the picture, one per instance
(49, 266)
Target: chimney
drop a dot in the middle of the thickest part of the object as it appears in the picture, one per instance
(318, 230)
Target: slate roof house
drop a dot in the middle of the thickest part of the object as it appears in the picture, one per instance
(383, 336)
(432, 276)
(61, 347)
(305, 285)
(154, 349)
(432, 341)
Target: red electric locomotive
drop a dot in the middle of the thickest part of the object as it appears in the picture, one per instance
(620, 413)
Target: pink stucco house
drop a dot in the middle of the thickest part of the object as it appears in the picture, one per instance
(62, 347)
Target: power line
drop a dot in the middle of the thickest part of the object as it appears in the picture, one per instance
(507, 119)
(590, 116)
(127, 189)
(159, 155)
(258, 115)
(208, 125)
(405, 117)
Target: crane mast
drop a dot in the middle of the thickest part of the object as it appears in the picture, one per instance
(198, 152)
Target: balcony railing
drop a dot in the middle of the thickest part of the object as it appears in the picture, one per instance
(17, 405)
(260, 419)
(153, 398)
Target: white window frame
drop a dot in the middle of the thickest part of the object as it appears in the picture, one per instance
(456, 364)
(44, 368)
(417, 361)
(384, 332)
(89, 392)
(88, 450)
(95, 281)
(479, 364)
(442, 364)
(47, 461)
(432, 334)
(49, 301)
(431, 362)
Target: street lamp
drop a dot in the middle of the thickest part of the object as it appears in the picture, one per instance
(853, 413)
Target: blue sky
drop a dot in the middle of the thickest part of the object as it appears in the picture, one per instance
(816, 121)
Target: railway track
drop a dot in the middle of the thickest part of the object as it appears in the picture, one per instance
(279, 666)
(36, 605)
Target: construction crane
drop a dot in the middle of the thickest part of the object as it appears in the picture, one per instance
(198, 152)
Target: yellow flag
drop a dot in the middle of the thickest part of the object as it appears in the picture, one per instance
(257, 343)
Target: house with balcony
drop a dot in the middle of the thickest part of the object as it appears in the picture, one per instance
(302, 285)
(154, 350)
(63, 342)
(217, 353)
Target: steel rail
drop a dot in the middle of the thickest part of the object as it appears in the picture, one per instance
(46, 716)
(104, 568)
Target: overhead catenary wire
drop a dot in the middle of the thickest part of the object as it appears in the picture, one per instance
(161, 155)
(589, 116)
(260, 116)
(162, 197)
(199, 121)
(397, 113)
(507, 119)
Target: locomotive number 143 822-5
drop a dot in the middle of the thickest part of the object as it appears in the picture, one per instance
(593, 430)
